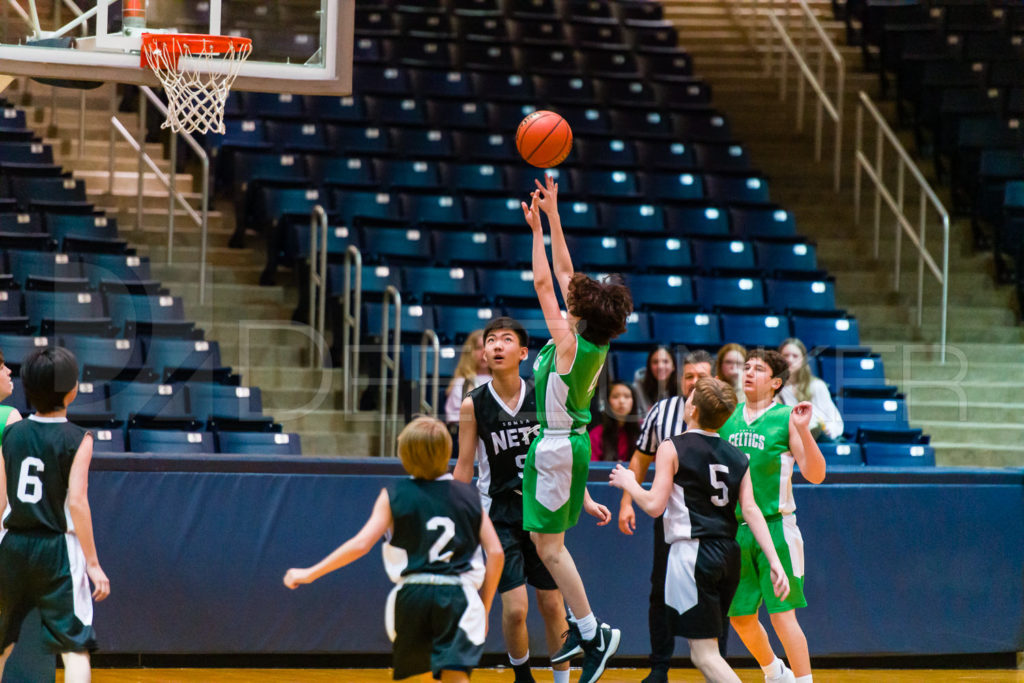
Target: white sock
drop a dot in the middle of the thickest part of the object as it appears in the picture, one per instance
(773, 670)
(516, 661)
(805, 679)
(561, 676)
(587, 626)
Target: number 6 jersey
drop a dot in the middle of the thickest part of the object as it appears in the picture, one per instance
(706, 487)
(436, 529)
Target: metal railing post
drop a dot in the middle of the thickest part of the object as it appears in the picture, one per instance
(317, 281)
(351, 320)
(142, 162)
(390, 363)
(429, 407)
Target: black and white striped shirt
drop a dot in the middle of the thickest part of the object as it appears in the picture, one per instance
(663, 422)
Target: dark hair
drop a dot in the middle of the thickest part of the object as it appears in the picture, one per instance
(602, 307)
(48, 374)
(506, 323)
(654, 390)
(612, 427)
(697, 357)
(774, 360)
(715, 402)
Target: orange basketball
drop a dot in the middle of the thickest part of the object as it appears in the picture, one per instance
(544, 139)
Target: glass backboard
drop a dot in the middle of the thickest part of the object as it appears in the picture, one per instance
(299, 46)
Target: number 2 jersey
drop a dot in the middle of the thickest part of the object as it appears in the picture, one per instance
(38, 453)
(705, 489)
(436, 530)
(504, 436)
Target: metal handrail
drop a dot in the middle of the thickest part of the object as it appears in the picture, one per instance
(351, 322)
(392, 363)
(429, 337)
(200, 218)
(896, 204)
(317, 282)
(815, 80)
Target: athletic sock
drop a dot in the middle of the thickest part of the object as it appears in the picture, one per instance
(561, 676)
(773, 670)
(516, 661)
(805, 679)
(587, 626)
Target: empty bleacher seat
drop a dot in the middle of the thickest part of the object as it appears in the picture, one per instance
(754, 329)
(170, 441)
(258, 443)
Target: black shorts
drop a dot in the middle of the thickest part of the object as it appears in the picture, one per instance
(45, 571)
(522, 563)
(700, 583)
(435, 629)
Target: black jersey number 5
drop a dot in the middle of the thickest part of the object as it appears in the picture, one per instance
(30, 487)
(447, 534)
(722, 499)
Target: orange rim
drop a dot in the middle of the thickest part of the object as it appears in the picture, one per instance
(176, 44)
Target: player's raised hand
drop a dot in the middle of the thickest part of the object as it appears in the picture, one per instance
(800, 416)
(548, 194)
(293, 578)
(780, 582)
(532, 213)
(100, 582)
(627, 519)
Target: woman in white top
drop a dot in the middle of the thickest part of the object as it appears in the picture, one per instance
(471, 372)
(802, 385)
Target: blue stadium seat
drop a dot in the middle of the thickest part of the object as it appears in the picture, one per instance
(148, 315)
(505, 285)
(388, 80)
(43, 264)
(689, 329)
(674, 186)
(429, 143)
(353, 205)
(523, 178)
(474, 177)
(415, 319)
(843, 454)
(786, 255)
(258, 443)
(397, 111)
(702, 127)
(28, 152)
(166, 401)
(115, 268)
(507, 115)
(66, 312)
(842, 368)
(638, 330)
(697, 220)
(499, 211)
(623, 363)
(18, 400)
(454, 323)
(752, 221)
(240, 133)
(30, 222)
(297, 136)
(902, 448)
(356, 139)
(457, 115)
(433, 83)
(222, 403)
(616, 153)
(366, 50)
(275, 205)
(396, 244)
(627, 218)
(465, 247)
(92, 402)
(714, 254)
(729, 189)
(826, 329)
(170, 441)
(53, 193)
(645, 123)
(784, 295)
(17, 347)
(448, 359)
(755, 329)
(609, 184)
(722, 157)
(481, 146)
(274, 105)
(667, 155)
(881, 408)
(375, 279)
(182, 360)
(339, 238)
(664, 291)
(106, 359)
(730, 292)
(83, 227)
(598, 252)
(662, 253)
(348, 109)
(441, 209)
(108, 441)
(568, 89)
(342, 171)
(432, 282)
(503, 86)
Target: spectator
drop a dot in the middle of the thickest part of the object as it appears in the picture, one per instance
(613, 439)
(729, 366)
(471, 372)
(826, 422)
(657, 380)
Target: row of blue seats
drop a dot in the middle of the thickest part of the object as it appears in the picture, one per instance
(880, 454)
(596, 10)
(94, 313)
(21, 265)
(194, 442)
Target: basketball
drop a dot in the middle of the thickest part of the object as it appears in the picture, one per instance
(544, 139)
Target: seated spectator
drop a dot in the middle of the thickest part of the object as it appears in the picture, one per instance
(657, 379)
(470, 372)
(729, 366)
(826, 422)
(613, 439)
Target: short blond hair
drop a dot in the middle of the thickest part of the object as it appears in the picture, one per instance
(425, 447)
(715, 402)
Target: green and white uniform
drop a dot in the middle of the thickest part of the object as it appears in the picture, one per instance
(555, 475)
(766, 443)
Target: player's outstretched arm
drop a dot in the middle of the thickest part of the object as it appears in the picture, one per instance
(467, 442)
(495, 561)
(81, 517)
(802, 445)
(560, 256)
(652, 502)
(543, 284)
(755, 520)
(638, 465)
(349, 551)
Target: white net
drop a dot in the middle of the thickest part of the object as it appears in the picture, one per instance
(197, 79)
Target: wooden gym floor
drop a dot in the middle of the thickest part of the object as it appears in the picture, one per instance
(505, 676)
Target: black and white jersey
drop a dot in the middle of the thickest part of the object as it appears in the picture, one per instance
(436, 528)
(663, 422)
(706, 487)
(38, 453)
(503, 441)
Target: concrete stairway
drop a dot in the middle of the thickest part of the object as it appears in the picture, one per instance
(966, 405)
(251, 323)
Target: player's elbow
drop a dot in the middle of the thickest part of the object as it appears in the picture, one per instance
(750, 510)
(815, 477)
(495, 554)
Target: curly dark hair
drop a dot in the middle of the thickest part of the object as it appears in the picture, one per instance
(774, 360)
(602, 307)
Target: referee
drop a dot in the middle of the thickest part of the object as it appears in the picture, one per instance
(663, 422)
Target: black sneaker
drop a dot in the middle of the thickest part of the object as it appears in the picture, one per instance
(572, 647)
(597, 651)
(656, 676)
(523, 673)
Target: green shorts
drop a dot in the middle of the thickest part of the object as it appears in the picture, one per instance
(554, 482)
(755, 573)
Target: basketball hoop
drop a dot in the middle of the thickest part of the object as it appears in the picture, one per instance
(196, 72)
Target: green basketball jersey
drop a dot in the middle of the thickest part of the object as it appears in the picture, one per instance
(766, 443)
(563, 401)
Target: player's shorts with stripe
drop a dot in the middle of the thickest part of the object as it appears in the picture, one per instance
(45, 571)
(435, 628)
(700, 580)
(555, 481)
(522, 564)
(755, 573)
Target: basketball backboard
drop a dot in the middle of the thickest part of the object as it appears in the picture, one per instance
(298, 46)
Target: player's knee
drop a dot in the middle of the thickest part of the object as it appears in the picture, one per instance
(785, 622)
(550, 604)
(744, 623)
(514, 614)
